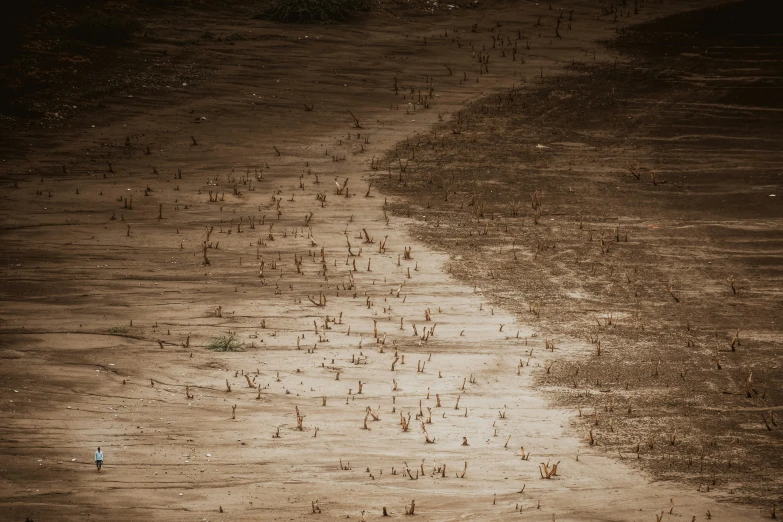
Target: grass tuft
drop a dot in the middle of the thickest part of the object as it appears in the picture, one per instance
(117, 330)
(226, 343)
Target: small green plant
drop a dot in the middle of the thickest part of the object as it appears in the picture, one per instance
(117, 330)
(312, 11)
(226, 343)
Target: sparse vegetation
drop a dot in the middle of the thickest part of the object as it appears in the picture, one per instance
(226, 343)
(120, 330)
(531, 205)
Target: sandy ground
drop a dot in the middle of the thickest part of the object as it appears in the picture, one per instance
(652, 262)
(107, 305)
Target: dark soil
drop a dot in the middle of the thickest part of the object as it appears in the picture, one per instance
(632, 211)
(64, 59)
(60, 61)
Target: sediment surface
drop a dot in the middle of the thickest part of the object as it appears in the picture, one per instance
(352, 203)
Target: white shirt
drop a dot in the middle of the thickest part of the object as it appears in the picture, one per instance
(98, 455)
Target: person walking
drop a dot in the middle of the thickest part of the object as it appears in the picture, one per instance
(99, 459)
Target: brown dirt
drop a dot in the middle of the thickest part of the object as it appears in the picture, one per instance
(107, 306)
(655, 173)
